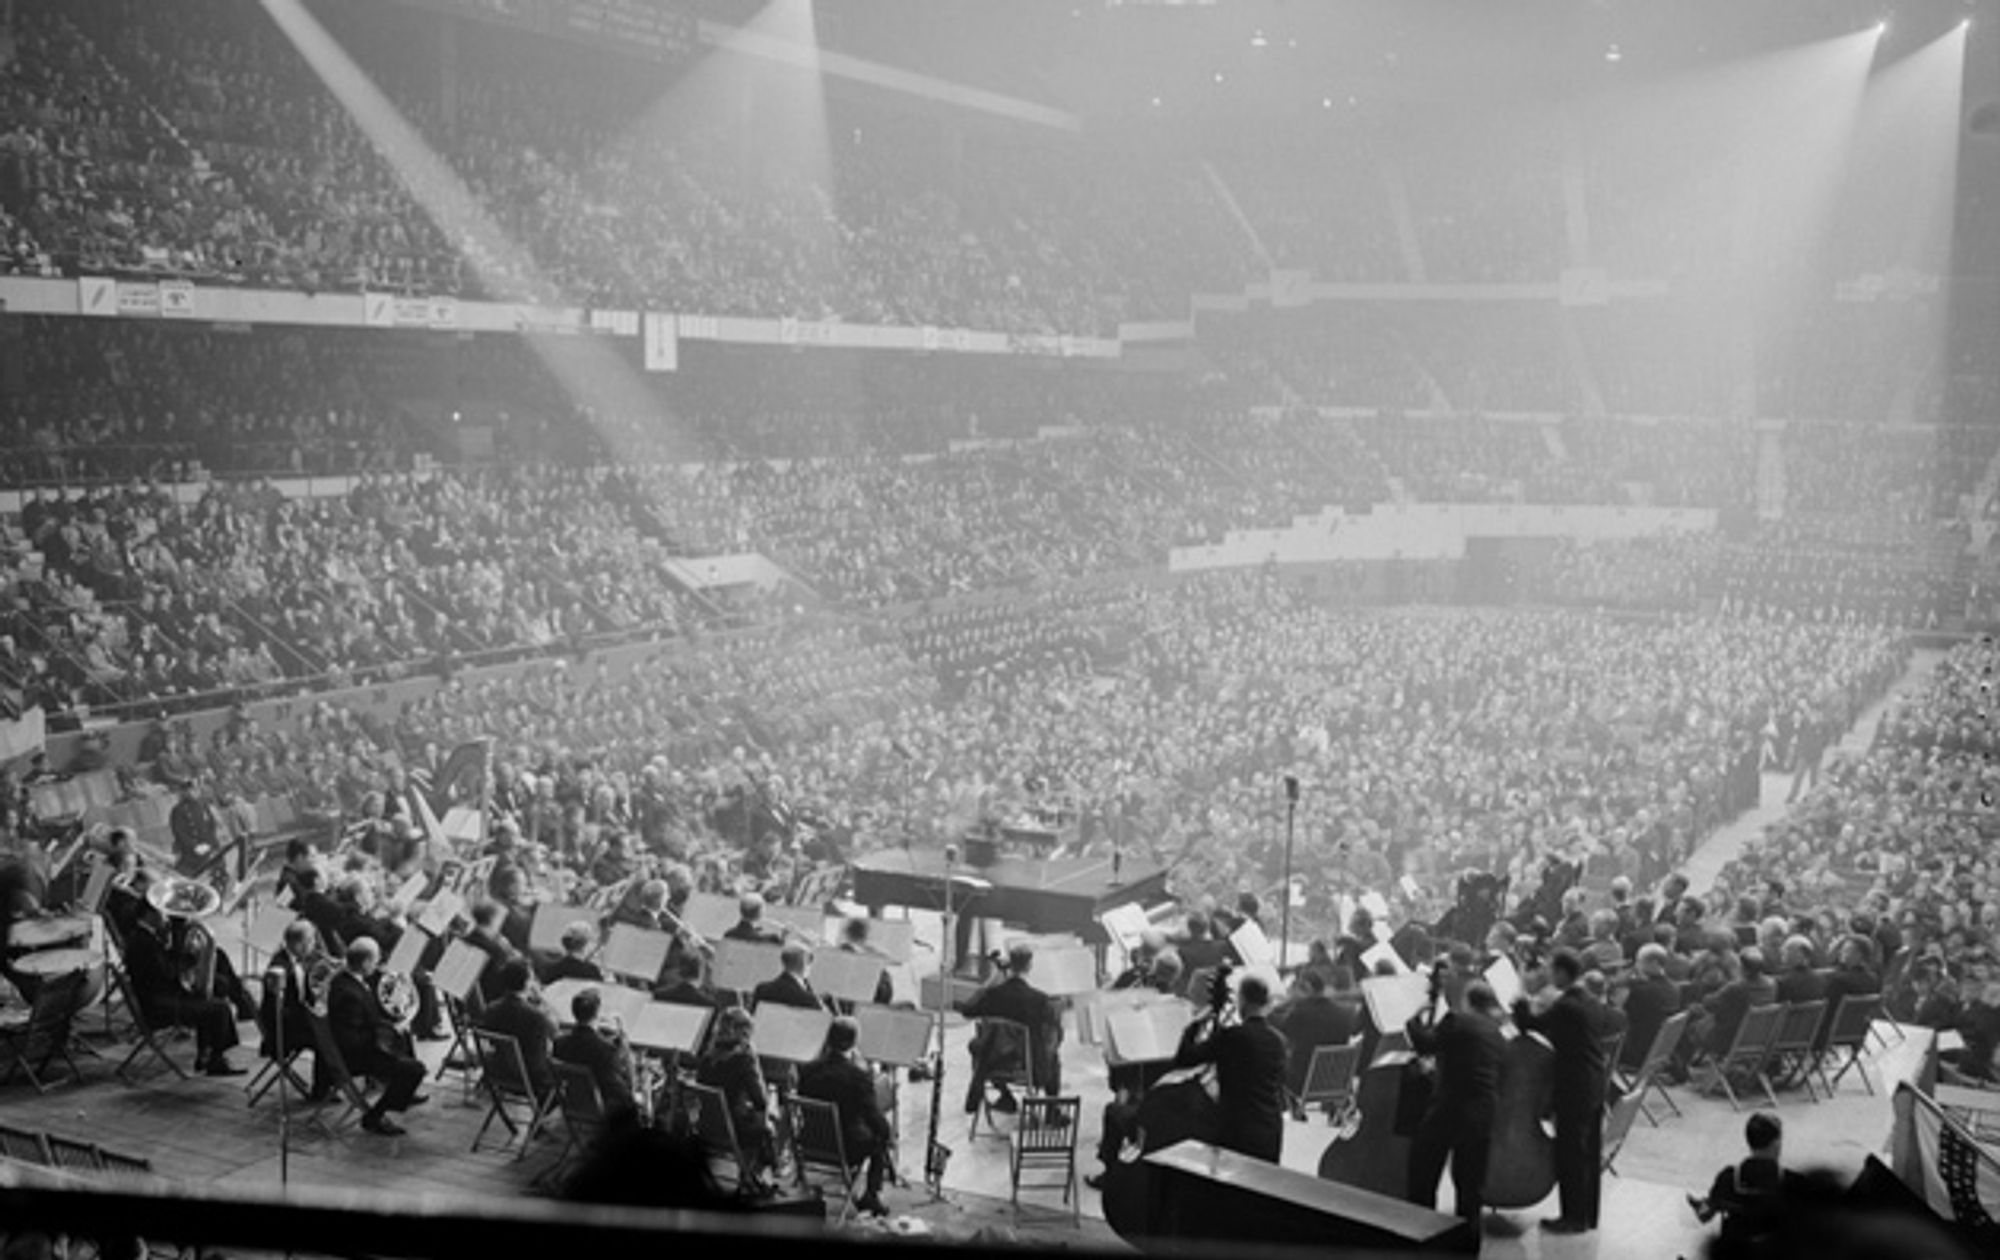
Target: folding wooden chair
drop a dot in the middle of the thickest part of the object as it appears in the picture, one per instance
(344, 1088)
(708, 1110)
(42, 1032)
(73, 1156)
(1614, 1045)
(146, 1036)
(118, 1165)
(1011, 1053)
(25, 1147)
(1330, 1076)
(818, 1148)
(1748, 1053)
(1647, 1078)
(584, 1118)
(1045, 1140)
(1618, 1126)
(503, 1076)
(1791, 1053)
(1852, 1020)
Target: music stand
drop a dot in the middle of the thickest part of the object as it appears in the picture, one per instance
(892, 1035)
(709, 915)
(668, 1028)
(791, 1034)
(616, 999)
(439, 911)
(847, 976)
(458, 972)
(741, 966)
(1394, 1001)
(551, 917)
(1065, 971)
(1145, 1034)
(640, 953)
(409, 951)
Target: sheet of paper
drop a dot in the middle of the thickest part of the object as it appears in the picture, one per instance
(635, 951)
(551, 917)
(1505, 979)
(892, 1035)
(743, 965)
(669, 1028)
(1392, 1000)
(795, 1034)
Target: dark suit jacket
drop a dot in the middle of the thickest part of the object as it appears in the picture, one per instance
(287, 1000)
(569, 968)
(735, 1073)
(362, 1030)
(1800, 984)
(1309, 1023)
(1650, 1002)
(681, 993)
(1731, 1003)
(1841, 983)
(320, 910)
(518, 927)
(1250, 1060)
(533, 1028)
(848, 1086)
(756, 933)
(497, 951)
(1470, 1055)
(785, 989)
(1574, 1027)
(1014, 998)
(587, 1048)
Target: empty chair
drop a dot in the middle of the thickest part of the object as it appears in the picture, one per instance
(1045, 1141)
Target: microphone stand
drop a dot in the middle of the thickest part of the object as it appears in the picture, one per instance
(284, 1070)
(937, 1156)
(1285, 907)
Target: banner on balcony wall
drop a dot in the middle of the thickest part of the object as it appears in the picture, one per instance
(97, 296)
(177, 299)
(1585, 286)
(663, 343)
(142, 298)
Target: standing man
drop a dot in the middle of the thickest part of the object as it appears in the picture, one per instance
(1459, 1124)
(1250, 1058)
(192, 823)
(1574, 1026)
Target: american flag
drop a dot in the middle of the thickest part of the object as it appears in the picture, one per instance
(1958, 1176)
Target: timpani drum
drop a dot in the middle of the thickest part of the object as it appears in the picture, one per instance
(49, 933)
(48, 964)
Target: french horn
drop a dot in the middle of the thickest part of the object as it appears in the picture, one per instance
(398, 995)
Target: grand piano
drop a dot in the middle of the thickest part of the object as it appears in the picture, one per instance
(1043, 895)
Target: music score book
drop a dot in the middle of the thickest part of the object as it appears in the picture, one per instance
(794, 1034)
(849, 977)
(1394, 1000)
(1065, 971)
(408, 953)
(438, 913)
(743, 965)
(459, 970)
(1145, 1034)
(893, 1035)
(551, 917)
(635, 951)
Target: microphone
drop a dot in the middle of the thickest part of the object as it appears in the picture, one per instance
(1292, 788)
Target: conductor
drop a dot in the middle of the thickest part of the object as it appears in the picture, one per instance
(1249, 1058)
(1459, 1123)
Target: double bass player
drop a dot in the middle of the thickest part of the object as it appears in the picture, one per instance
(1470, 1053)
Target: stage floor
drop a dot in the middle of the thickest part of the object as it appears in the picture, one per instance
(201, 1130)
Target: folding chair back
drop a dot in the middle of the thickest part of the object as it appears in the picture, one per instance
(714, 1127)
(503, 1075)
(31, 1046)
(1847, 1035)
(1330, 1076)
(1791, 1046)
(1750, 1051)
(1046, 1140)
(74, 1156)
(24, 1147)
(333, 1069)
(819, 1147)
(1614, 1045)
(1647, 1080)
(145, 1034)
(1007, 1057)
(1618, 1125)
(582, 1103)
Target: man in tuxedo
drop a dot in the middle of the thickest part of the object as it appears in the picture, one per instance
(485, 937)
(1459, 1123)
(1575, 1026)
(838, 1077)
(167, 1001)
(282, 1016)
(574, 964)
(1310, 1021)
(993, 1050)
(312, 903)
(1650, 1001)
(854, 940)
(520, 1014)
(604, 1055)
(789, 986)
(368, 1039)
(1250, 1058)
(682, 985)
(750, 925)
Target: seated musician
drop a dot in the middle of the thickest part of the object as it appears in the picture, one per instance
(1752, 1196)
(312, 903)
(519, 1013)
(750, 925)
(646, 907)
(578, 939)
(354, 897)
(1130, 1081)
(838, 1077)
(789, 987)
(995, 1050)
(1199, 950)
(509, 887)
(282, 1016)
(300, 857)
(369, 1042)
(1311, 1020)
(484, 936)
(1139, 969)
(168, 1000)
(729, 1065)
(603, 1052)
(682, 984)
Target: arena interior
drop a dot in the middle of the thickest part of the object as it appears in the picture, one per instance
(1163, 625)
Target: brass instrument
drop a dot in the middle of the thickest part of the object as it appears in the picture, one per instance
(320, 969)
(398, 995)
(183, 898)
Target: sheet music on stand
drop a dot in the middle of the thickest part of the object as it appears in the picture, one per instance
(267, 931)
(459, 970)
(850, 977)
(634, 951)
(439, 911)
(794, 1034)
(1145, 1034)
(892, 938)
(1126, 925)
(1383, 952)
(617, 999)
(1252, 946)
(1506, 981)
(893, 1035)
(409, 951)
(743, 965)
(1065, 971)
(709, 915)
(1394, 1000)
(412, 888)
(807, 923)
(97, 886)
(551, 917)
(669, 1028)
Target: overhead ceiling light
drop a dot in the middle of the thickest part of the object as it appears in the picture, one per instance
(1612, 54)
(1258, 41)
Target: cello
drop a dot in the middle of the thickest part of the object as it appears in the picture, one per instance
(1181, 1106)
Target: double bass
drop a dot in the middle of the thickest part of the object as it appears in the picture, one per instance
(1521, 1165)
(1181, 1106)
